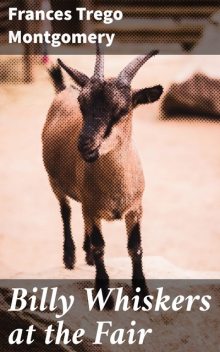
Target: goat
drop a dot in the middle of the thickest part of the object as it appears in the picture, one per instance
(90, 157)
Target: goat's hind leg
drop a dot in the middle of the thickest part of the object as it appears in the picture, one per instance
(65, 210)
(68, 246)
(135, 251)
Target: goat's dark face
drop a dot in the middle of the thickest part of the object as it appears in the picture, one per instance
(105, 107)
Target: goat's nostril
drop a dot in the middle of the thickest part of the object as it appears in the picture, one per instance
(83, 147)
(87, 145)
(87, 142)
(84, 140)
(89, 149)
(91, 155)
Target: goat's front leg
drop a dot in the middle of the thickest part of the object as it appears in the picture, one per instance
(87, 245)
(95, 250)
(68, 247)
(135, 251)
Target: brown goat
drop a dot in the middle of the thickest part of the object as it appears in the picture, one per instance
(90, 157)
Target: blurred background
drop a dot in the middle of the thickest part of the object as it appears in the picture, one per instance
(179, 148)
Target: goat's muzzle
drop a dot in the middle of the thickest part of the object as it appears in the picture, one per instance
(88, 148)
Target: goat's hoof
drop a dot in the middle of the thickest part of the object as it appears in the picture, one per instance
(103, 285)
(69, 261)
(109, 304)
(144, 301)
(141, 290)
(90, 259)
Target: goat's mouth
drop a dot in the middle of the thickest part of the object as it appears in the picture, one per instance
(91, 156)
(89, 149)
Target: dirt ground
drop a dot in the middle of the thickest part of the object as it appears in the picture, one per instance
(181, 161)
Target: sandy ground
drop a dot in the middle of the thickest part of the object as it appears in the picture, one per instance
(181, 161)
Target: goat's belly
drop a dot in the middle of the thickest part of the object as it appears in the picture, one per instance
(116, 209)
(110, 215)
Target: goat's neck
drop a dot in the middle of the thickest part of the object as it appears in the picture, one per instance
(122, 151)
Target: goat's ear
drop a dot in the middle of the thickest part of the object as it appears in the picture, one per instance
(146, 95)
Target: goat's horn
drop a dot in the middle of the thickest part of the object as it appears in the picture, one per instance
(80, 78)
(99, 65)
(128, 73)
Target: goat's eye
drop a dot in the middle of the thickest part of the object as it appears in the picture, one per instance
(115, 118)
(123, 111)
(79, 99)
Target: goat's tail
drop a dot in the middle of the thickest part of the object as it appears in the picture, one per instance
(56, 76)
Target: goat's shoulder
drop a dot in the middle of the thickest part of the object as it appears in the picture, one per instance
(61, 131)
(64, 115)
(65, 105)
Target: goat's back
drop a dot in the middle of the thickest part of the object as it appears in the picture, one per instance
(60, 134)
